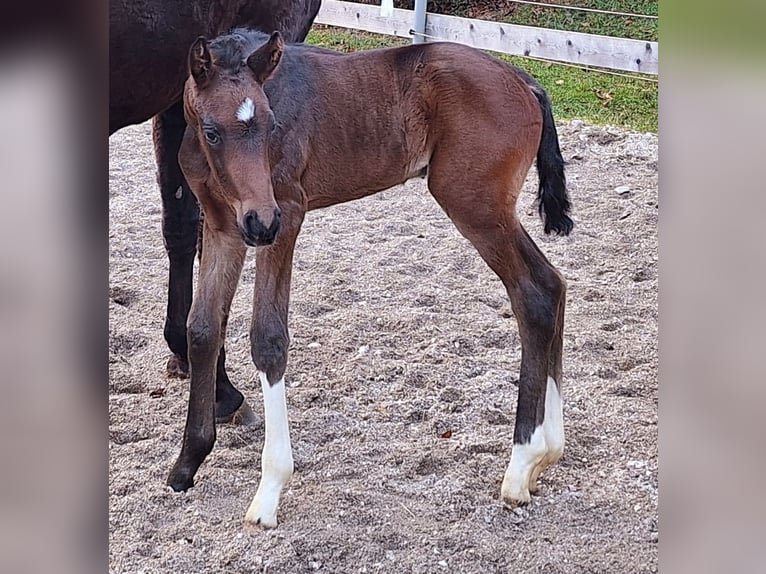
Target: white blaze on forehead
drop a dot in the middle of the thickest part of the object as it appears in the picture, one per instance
(246, 110)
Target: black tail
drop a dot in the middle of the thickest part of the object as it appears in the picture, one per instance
(552, 197)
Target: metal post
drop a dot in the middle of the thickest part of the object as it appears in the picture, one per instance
(419, 23)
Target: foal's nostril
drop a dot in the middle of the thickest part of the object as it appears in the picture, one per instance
(250, 221)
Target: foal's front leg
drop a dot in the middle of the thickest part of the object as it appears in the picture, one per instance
(269, 341)
(180, 227)
(220, 269)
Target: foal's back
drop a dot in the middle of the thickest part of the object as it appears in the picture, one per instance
(370, 120)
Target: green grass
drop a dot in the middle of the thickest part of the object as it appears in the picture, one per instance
(598, 98)
(576, 94)
(344, 40)
(576, 21)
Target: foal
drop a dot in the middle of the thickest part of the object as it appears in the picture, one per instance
(274, 131)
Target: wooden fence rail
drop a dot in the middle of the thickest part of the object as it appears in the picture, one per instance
(572, 47)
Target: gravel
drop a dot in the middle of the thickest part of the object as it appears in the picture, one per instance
(401, 388)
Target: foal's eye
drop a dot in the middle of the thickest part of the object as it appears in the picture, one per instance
(212, 136)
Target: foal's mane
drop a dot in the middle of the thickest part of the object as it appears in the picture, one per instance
(232, 49)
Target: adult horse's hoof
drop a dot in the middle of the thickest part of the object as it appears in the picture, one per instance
(178, 367)
(181, 476)
(243, 416)
(180, 481)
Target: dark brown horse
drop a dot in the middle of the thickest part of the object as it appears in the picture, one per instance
(148, 46)
(275, 131)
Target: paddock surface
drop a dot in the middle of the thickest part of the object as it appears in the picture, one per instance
(400, 389)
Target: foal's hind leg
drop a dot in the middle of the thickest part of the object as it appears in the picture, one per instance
(553, 423)
(537, 292)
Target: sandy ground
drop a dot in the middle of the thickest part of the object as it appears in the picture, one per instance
(400, 333)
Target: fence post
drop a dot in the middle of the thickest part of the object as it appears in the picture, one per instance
(419, 23)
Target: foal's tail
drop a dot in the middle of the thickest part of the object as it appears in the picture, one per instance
(552, 197)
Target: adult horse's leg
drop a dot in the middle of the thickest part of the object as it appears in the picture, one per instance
(180, 225)
(220, 269)
(483, 211)
(180, 221)
(230, 403)
(269, 340)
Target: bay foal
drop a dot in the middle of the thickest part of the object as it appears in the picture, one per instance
(148, 52)
(276, 130)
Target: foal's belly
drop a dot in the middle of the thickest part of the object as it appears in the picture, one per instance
(339, 182)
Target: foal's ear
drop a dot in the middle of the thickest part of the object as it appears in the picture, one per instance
(263, 61)
(200, 61)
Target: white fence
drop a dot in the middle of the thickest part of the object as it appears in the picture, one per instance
(572, 47)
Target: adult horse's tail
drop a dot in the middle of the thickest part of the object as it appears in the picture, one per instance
(552, 197)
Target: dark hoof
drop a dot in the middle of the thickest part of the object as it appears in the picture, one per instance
(178, 367)
(227, 405)
(243, 416)
(180, 479)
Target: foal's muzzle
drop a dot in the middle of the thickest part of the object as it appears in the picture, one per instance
(256, 233)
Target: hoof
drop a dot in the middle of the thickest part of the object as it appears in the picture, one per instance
(243, 416)
(548, 460)
(181, 476)
(262, 511)
(266, 524)
(515, 491)
(180, 482)
(533, 478)
(178, 368)
(515, 500)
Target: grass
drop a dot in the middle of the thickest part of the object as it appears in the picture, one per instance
(629, 102)
(344, 40)
(597, 98)
(575, 21)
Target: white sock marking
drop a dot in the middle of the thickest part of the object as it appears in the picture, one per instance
(524, 459)
(277, 458)
(553, 429)
(246, 110)
(553, 423)
(544, 448)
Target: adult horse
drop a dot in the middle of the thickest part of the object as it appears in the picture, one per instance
(274, 131)
(148, 46)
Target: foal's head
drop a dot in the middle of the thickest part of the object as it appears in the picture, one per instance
(228, 110)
